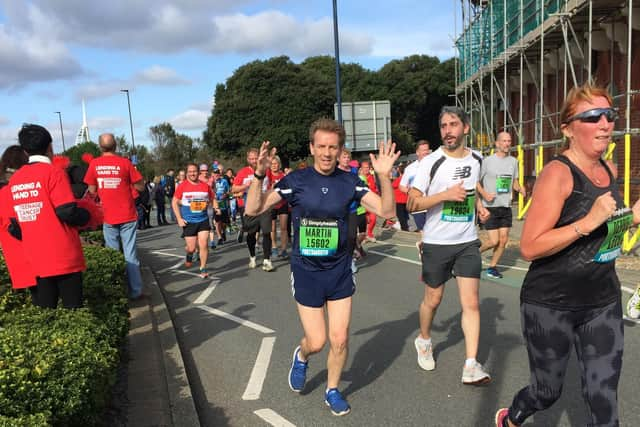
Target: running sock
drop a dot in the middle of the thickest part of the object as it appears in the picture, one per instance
(470, 362)
(425, 341)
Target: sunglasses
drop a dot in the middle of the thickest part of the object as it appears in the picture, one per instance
(593, 116)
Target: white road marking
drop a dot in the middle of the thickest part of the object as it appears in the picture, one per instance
(205, 294)
(243, 322)
(273, 418)
(165, 254)
(629, 290)
(189, 273)
(259, 372)
(410, 261)
(164, 270)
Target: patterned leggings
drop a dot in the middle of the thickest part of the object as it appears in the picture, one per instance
(598, 337)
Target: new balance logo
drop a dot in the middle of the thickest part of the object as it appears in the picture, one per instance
(462, 172)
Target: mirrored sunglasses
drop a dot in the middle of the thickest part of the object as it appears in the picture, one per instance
(593, 116)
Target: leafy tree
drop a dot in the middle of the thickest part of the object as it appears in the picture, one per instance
(75, 153)
(171, 149)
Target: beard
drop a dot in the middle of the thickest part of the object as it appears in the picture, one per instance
(453, 146)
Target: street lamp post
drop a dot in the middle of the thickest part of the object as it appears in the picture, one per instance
(133, 143)
(337, 49)
(61, 131)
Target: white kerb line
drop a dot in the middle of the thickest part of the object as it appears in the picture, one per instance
(205, 294)
(166, 254)
(243, 322)
(173, 267)
(259, 371)
(273, 418)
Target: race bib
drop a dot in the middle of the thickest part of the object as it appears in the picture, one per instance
(318, 237)
(617, 225)
(503, 184)
(197, 205)
(460, 211)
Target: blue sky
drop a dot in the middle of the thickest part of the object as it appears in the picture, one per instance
(171, 54)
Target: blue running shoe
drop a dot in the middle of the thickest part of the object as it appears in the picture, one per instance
(494, 273)
(298, 372)
(338, 405)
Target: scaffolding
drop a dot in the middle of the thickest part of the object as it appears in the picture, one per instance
(517, 59)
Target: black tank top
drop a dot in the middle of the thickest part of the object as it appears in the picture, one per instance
(571, 279)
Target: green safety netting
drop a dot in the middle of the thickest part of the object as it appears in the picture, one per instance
(484, 39)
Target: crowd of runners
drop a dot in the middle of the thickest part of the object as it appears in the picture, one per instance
(318, 217)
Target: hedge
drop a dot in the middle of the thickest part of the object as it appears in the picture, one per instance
(57, 367)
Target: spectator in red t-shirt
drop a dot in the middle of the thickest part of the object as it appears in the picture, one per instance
(20, 270)
(250, 224)
(114, 178)
(46, 217)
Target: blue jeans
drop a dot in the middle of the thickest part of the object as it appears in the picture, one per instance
(126, 233)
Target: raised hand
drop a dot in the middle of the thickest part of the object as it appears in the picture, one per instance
(265, 156)
(387, 156)
(456, 193)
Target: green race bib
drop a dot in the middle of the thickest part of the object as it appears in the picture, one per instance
(503, 184)
(617, 225)
(460, 211)
(318, 237)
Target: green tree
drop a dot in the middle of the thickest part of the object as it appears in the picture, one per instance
(75, 153)
(170, 148)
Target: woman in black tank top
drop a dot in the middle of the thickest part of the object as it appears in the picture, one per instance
(571, 293)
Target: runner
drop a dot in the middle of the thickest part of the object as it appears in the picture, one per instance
(190, 202)
(321, 276)
(445, 185)
(422, 151)
(498, 179)
(570, 297)
(254, 224)
(365, 172)
(280, 212)
(221, 188)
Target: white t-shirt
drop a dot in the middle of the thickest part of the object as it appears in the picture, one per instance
(449, 223)
(409, 174)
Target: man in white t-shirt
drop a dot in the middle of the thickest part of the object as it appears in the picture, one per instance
(445, 185)
(422, 151)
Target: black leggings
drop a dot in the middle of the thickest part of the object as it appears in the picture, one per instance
(598, 337)
(254, 224)
(66, 286)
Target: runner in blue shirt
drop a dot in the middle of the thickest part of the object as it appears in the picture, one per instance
(320, 197)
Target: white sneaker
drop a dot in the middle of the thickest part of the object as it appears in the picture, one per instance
(633, 305)
(396, 226)
(266, 265)
(475, 375)
(252, 262)
(425, 354)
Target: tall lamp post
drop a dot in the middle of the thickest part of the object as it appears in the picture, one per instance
(61, 131)
(133, 143)
(337, 49)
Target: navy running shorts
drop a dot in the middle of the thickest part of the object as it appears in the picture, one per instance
(315, 288)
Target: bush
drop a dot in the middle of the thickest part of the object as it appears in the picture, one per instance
(57, 367)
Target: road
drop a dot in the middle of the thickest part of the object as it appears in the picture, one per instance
(238, 328)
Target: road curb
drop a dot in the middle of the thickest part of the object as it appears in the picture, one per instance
(181, 404)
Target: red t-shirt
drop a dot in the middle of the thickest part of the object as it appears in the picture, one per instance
(371, 181)
(114, 176)
(18, 265)
(35, 191)
(401, 196)
(273, 179)
(244, 177)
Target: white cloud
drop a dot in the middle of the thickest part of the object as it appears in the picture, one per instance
(4, 121)
(411, 43)
(158, 75)
(190, 119)
(276, 32)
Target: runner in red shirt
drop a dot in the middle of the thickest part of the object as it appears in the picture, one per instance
(45, 217)
(253, 224)
(190, 204)
(113, 177)
(280, 211)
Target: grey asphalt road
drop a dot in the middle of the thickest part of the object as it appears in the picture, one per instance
(238, 328)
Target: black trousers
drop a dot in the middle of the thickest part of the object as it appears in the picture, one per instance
(66, 286)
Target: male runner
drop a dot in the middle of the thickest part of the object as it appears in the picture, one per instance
(422, 151)
(498, 179)
(190, 202)
(320, 197)
(222, 189)
(445, 185)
